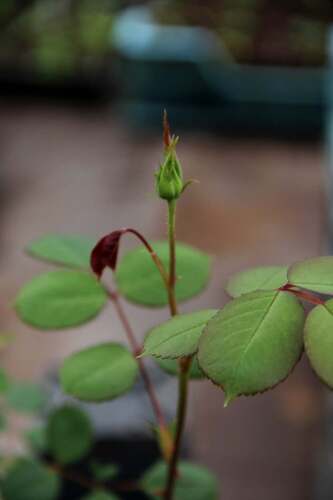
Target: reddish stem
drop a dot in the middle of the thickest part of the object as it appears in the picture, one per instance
(136, 349)
(152, 252)
(167, 281)
(302, 294)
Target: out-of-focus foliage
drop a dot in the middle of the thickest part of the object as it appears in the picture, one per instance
(260, 31)
(59, 38)
(52, 440)
(56, 38)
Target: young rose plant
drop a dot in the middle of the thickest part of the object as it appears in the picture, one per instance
(245, 348)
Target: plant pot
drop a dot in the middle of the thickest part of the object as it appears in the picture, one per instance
(185, 70)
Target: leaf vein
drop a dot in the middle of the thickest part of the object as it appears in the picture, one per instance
(253, 337)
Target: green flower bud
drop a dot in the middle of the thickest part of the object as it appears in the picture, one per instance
(169, 178)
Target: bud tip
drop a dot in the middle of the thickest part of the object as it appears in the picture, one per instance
(166, 130)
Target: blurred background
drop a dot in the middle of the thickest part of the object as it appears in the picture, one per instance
(246, 83)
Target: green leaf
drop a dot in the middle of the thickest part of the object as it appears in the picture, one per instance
(3, 423)
(99, 373)
(100, 495)
(318, 339)
(4, 382)
(171, 366)
(140, 282)
(104, 471)
(60, 299)
(26, 397)
(313, 274)
(177, 337)
(253, 343)
(71, 251)
(36, 439)
(257, 278)
(69, 434)
(29, 480)
(194, 482)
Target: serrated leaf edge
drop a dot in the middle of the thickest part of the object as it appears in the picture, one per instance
(182, 354)
(230, 399)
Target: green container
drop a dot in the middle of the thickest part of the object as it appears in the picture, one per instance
(185, 70)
